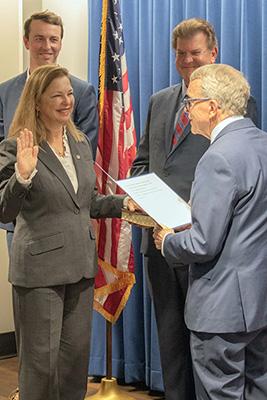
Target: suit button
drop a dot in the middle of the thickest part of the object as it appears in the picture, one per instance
(76, 211)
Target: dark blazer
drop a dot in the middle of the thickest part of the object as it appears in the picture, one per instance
(53, 242)
(154, 154)
(175, 167)
(226, 245)
(84, 114)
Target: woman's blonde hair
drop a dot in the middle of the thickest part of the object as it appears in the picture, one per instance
(27, 115)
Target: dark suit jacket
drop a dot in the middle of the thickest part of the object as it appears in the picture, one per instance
(53, 241)
(176, 167)
(226, 245)
(84, 114)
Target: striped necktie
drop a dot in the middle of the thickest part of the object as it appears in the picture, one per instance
(181, 124)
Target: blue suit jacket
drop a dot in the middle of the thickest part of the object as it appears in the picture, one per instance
(174, 166)
(84, 115)
(227, 244)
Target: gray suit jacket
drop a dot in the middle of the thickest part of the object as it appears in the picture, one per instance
(84, 115)
(227, 244)
(53, 242)
(175, 167)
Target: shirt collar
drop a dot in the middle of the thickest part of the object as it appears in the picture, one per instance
(221, 125)
(184, 89)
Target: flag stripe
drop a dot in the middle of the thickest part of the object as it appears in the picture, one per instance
(116, 151)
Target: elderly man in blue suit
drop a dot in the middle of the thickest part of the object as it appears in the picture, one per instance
(174, 158)
(43, 33)
(226, 305)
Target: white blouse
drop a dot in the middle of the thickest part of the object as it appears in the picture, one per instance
(67, 162)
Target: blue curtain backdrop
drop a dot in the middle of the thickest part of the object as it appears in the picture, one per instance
(241, 27)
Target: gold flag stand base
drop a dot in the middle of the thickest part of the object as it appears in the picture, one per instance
(109, 390)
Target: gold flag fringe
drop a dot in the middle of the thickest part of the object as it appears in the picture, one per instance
(124, 280)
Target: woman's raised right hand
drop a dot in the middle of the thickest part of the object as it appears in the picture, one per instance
(26, 154)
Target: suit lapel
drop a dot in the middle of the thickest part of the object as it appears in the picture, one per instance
(77, 161)
(47, 157)
(173, 105)
(182, 138)
(12, 99)
(20, 83)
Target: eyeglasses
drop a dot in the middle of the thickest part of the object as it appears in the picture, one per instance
(189, 101)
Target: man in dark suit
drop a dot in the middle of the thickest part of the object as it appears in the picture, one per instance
(195, 44)
(43, 33)
(226, 304)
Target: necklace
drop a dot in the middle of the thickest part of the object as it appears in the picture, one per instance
(61, 153)
(59, 148)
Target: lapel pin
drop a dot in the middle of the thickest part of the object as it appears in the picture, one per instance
(78, 156)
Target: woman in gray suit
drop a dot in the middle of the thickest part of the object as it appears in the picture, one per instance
(47, 184)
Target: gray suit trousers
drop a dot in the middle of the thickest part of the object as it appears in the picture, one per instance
(168, 288)
(54, 340)
(230, 366)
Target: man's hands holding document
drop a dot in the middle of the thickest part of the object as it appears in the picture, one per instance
(158, 203)
(160, 232)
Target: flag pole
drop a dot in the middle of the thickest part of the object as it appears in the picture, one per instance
(108, 349)
(116, 132)
(109, 389)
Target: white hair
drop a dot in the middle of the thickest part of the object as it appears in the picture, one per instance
(224, 84)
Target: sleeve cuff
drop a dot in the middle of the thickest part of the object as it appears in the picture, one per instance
(162, 244)
(22, 181)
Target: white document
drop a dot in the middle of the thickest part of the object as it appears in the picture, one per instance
(158, 200)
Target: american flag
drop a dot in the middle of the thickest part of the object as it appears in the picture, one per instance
(115, 153)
